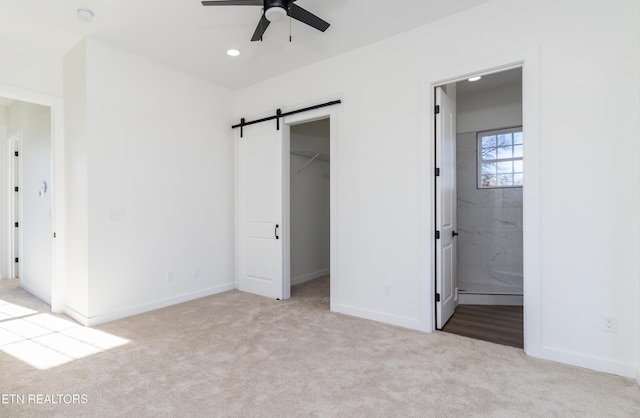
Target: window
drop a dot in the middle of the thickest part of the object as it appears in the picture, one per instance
(500, 158)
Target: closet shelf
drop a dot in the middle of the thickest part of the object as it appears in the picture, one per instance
(312, 156)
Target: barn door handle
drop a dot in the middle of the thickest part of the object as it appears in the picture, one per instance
(275, 231)
(454, 234)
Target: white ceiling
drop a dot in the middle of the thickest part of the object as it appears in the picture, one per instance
(489, 81)
(185, 35)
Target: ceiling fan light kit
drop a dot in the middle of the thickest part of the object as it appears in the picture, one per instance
(273, 11)
(275, 14)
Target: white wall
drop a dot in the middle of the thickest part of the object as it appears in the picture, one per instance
(28, 61)
(310, 222)
(380, 126)
(36, 257)
(157, 149)
(76, 235)
(4, 127)
(499, 107)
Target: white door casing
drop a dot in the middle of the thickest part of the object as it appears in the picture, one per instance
(260, 201)
(445, 156)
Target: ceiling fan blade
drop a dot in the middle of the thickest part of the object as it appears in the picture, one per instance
(232, 3)
(262, 27)
(307, 17)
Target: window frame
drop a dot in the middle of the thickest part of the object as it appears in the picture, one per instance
(479, 158)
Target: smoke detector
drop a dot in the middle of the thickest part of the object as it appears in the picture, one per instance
(85, 15)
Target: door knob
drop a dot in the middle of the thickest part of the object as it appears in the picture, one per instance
(454, 234)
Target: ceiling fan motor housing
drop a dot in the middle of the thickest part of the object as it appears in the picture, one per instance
(274, 10)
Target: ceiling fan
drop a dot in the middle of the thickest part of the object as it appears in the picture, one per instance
(274, 10)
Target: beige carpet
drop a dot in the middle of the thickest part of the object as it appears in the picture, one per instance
(236, 354)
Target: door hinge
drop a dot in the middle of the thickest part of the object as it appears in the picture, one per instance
(16, 153)
(437, 234)
(54, 234)
(16, 188)
(16, 259)
(437, 109)
(437, 297)
(437, 172)
(16, 224)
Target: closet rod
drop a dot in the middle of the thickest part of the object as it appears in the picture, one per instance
(279, 115)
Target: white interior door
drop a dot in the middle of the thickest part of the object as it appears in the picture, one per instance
(260, 200)
(445, 123)
(14, 207)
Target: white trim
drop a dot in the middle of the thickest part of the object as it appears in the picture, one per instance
(36, 292)
(589, 362)
(310, 276)
(57, 184)
(528, 60)
(147, 307)
(384, 317)
(638, 376)
(487, 299)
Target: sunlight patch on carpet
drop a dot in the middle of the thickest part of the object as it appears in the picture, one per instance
(45, 341)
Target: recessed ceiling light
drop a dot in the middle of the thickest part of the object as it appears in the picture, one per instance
(476, 78)
(85, 15)
(233, 52)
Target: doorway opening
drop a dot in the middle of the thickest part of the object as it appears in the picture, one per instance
(487, 177)
(309, 210)
(29, 125)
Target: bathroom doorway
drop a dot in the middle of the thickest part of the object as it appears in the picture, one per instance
(489, 208)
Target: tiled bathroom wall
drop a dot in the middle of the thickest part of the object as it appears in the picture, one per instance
(490, 228)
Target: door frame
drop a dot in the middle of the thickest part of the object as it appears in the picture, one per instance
(528, 60)
(331, 113)
(56, 106)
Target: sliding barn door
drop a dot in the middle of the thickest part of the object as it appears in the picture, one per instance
(260, 209)
(445, 207)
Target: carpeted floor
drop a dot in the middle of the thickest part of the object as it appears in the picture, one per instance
(236, 354)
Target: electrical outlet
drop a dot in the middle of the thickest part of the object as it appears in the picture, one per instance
(387, 289)
(609, 323)
(196, 272)
(170, 277)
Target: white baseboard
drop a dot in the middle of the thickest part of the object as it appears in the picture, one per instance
(478, 299)
(638, 376)
(401, 321)
(147, 307)
(35, 292)
(75, 315)
(589, 362)
(309, 277)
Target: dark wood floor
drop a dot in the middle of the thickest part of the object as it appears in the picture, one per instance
(494, 323)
